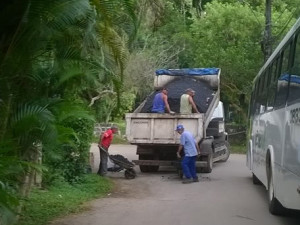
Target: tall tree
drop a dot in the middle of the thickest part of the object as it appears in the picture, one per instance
(51, 52)
(267, 38)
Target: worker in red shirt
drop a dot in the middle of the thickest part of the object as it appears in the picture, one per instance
(104, 143)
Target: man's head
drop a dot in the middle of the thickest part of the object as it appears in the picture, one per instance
(114, 129)
(190, 91)
(164, 90)
(179, 129)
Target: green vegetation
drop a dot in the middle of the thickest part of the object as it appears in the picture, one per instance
(61, 199)
(66, 65)
(238, 149)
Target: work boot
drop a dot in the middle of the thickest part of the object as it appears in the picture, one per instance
(187, 181)
(196, 179)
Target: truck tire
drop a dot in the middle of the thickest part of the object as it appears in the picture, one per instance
(227, 152)
(153, 168)
(206, 147)
(209, 160)
(146, 168)
(143, 168)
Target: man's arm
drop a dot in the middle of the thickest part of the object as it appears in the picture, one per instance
(198, 148)
(179, 151)
(165, 99)
(102, 136)
(191, 101)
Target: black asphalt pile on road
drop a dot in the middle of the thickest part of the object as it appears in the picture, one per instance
(202, 98)
(120, 158)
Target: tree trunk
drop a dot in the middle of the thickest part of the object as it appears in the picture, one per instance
(267, 40)
(32, 157)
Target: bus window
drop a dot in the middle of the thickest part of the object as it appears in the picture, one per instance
(283, 79)
(270, 87)
(294, 89)
(251, 106)
(264, 91)
(260, 105)
(256, 104)
(275, 70)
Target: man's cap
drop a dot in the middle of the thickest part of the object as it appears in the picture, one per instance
(179, 127)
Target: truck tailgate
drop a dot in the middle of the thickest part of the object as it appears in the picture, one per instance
(154, 128)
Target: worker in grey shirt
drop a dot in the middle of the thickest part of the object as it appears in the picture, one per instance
(191, 150)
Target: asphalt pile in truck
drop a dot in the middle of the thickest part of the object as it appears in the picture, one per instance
(203, 94)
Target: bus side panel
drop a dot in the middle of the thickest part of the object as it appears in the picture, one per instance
(291, 159)
(255, 147)
(275, 137)
(259, 151)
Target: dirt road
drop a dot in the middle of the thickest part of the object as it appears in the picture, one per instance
(224, 197)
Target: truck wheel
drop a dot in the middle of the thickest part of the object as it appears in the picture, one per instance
(155, 156)
(146, 168)
(153, 168)
(227, 152)
(209, 160)
(275, 206)
(143, 168)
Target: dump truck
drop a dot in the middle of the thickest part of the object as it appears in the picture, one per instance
(154, 133)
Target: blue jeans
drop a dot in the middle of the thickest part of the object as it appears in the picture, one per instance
(188, 165)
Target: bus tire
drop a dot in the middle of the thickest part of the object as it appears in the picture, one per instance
(275, 206)
(255, 180)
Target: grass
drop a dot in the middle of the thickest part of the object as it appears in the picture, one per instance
(238, 148)
(62, 199)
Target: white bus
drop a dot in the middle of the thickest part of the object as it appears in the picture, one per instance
(273, 153)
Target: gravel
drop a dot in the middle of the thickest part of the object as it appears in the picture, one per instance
(202, 98)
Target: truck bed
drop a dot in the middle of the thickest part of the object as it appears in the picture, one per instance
(154, 128)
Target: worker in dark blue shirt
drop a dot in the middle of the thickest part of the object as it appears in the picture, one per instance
(160, 102)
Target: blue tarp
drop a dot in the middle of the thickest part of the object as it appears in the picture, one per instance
(293, 78)
(191, 72)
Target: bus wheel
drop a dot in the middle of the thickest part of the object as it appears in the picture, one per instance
(255, 180)
(275, 206)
